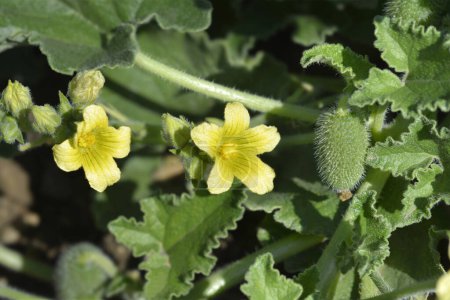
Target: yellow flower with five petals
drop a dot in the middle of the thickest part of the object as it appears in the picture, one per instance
(93, 147)
(234, 149)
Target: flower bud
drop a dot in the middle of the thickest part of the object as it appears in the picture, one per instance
(16, 98)
(45, 119)
(176, 131)
(85, 87)
(10, 130)
(341, 141)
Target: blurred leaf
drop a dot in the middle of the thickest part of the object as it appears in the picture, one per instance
(265, 282)
(78, 35)
(418, 52)
(311, 30)
(312, 210)
(177, 235)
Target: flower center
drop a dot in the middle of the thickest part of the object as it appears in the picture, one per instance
(86, 140)
(227, 150)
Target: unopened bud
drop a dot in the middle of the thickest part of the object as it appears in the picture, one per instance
(16, 98)
(85, 87)
(45, 119)
(176, 131)
(10, 130)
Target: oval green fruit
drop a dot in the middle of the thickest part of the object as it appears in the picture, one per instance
(341, 142)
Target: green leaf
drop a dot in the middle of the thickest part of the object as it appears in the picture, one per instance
(177, 235)
(351, 66)
(90, 34)
(424, 58)
(311, 30)
(265, 282)
(357, 247)
(420, 160)
(415, 149)
(314, 209)
(405, 267)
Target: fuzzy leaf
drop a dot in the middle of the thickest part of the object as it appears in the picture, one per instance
(177, 235)
(266, 283)
(398, 271)
(353, 67)
(424, 58)
(312, 210)
(416, 149)
(78, 35)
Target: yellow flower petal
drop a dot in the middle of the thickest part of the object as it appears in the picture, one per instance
(237, 119)
(252, 172)
(207, 137)
(94, 116)
(220, 178)
(66, 156)
(113, 142)
(259, 139)
(101, 170)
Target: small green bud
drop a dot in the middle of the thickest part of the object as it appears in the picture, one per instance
(176, 131)
(45, 119)
(10, 130)
(64, 104)
(83, 272)
(16, 98)
(341, 141)
(85, 87)
(423, 12)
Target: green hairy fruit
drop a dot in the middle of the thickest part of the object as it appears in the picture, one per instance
(341, 141)
(82, 272)
(424, 12)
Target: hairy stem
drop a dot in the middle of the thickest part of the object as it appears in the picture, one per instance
(409, 291)
(19, 263)
(12, 293)
(224, 93)
(376, 122)
(232, 274)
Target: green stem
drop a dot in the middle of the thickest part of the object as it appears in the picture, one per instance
(12, 293)
(34, 144)
(409, 291)
(19, 263)
(232, 274)
(297, 139)
(223, 93)
(376, 122)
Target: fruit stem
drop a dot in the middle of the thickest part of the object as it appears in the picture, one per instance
(220, 92)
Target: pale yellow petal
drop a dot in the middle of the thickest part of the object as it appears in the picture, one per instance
(251, 171)
(67, 157)
(113, 142)
(259, 139)
(220, 178)
(207, 137)
(237, 119)
(94, 116)
(101, 170)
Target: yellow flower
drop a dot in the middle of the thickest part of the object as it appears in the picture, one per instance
(234, 148)
(93, 147)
